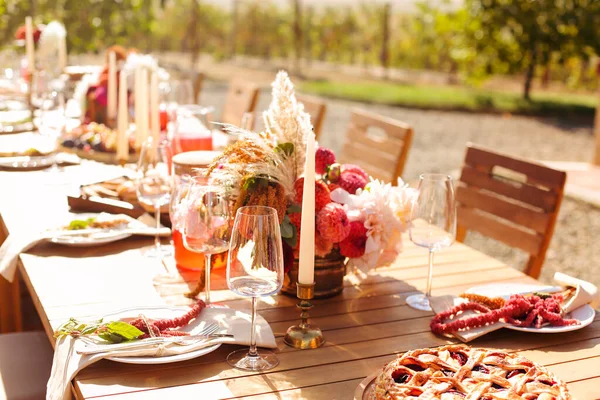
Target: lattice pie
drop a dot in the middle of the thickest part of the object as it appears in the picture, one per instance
(459, 372)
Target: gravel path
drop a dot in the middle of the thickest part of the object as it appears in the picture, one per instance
(439, 144)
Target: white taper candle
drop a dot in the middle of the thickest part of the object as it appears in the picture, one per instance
(306, 268)
(122, 120)
(62, 53)
(154, 111)
(111, 108)
(144, 104)
(139, 140)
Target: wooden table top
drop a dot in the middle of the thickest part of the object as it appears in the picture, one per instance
(364, 327)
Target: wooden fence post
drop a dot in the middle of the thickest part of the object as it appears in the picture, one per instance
(385, 39)
(597, 125)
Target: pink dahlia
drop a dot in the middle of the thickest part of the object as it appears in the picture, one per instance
(322, 245)
(332, 222)
(322, 196)
(356, 169)
(323, 158)
(351, 181)
(354, 244)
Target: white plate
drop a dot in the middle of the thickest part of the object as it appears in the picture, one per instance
(96, 239)
(584, 314)
(159, 312)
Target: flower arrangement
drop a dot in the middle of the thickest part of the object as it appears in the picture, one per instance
(356, 217)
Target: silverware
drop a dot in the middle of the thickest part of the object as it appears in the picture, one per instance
(208, 333)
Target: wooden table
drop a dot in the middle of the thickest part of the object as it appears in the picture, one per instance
(365, 326)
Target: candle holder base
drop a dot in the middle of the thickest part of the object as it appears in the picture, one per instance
(304, 335)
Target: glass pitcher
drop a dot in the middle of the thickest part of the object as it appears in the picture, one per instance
(192, 129)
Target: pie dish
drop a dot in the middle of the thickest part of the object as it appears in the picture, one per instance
(458, 371)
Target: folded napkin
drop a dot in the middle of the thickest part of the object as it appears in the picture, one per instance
(15, 244)
(67, 362)
(586, 293)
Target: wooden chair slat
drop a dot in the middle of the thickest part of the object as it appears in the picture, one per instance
(536, 173)
(242, 98)
(389, 146)
(511, 211)
(493, 228)
(317, 110)
(496, 195)
(384, 158)
(527, 194)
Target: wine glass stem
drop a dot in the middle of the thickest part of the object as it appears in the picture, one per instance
(207, 260)
(156, 236)
(430, 274)
(252, 352)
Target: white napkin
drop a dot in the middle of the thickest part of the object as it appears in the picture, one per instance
(586, 292)
(15, 244)
(67, 362)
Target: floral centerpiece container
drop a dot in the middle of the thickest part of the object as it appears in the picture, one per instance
(359, 220)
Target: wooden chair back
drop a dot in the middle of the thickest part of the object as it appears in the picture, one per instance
(317, 109)
(242, 98)
(378, 144)
(512, 200)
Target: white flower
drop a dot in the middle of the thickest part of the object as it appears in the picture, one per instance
(376, 206)
(136, 60)
(51, 36)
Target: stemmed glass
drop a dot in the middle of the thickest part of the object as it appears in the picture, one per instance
(206, 225)
(433, 224)
(255, 269)
(153, 186)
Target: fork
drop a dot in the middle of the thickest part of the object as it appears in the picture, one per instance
(204, 334)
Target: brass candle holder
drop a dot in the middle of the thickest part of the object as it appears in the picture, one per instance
(304, 335)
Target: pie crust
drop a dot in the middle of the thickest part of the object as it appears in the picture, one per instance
(461, 372)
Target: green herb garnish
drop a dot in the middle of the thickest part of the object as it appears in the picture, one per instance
(78, 224)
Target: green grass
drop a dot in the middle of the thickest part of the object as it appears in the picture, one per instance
(456, 98)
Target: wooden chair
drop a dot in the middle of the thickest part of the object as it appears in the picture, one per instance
(26, 362)
(242, 98)
(317, 109)
(378, 144)
(512, 200)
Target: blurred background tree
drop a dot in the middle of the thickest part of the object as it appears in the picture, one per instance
(546, 39)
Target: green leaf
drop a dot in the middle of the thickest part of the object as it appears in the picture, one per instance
(286, 148)
(294, 208)
(111, 337)
(287, 228)
(78, 224)
(127, 331)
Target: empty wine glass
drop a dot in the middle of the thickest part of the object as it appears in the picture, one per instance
(153, 186)
(206, 225)
(433, 224)
(255, 269)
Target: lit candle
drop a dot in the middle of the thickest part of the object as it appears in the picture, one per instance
(144, 104)
(29, 44)
(122, 120)
(154, 111)
(111, 108)
(137, 107)
(306, 268)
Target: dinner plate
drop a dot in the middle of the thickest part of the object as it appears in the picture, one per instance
(584, 314)
(99, 238)
(159, 312)
(14, 116)
(28, 163)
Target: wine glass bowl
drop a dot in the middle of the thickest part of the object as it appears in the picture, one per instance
(255, 269)
(433, 224)
(153, 187)
(206, 225)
